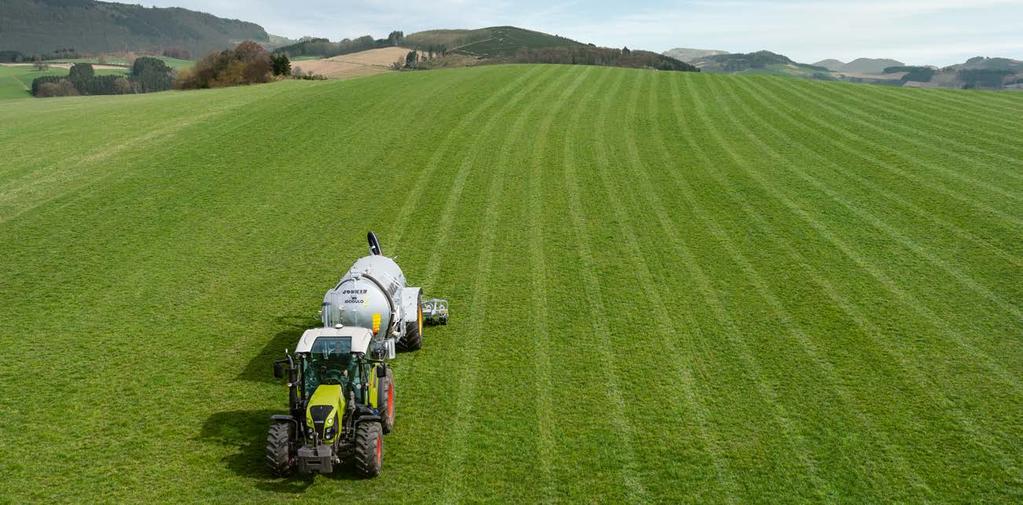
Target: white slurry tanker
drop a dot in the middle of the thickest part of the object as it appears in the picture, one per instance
(374, 295)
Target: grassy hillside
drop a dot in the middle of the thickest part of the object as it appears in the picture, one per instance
(87, 26)
(671, 287)
(870, 65)
(760, 62)
(689, 55)
(494, 42)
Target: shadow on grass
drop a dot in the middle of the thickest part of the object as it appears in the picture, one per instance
(245, 431)
(260, 368)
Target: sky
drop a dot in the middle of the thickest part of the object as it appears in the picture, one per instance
(917, 32)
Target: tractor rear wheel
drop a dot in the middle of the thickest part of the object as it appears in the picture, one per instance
(278, 450)
(386, 401)
(369, 449)
(413, 339)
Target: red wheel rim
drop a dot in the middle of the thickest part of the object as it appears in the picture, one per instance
(390, 400)
(380, 450)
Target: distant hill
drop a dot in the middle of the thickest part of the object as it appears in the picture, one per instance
(870, 65)
(689, 55)
(509, 44)
(830, 64)
(758, 62)
(982, 63)
(493, 42)
(87, 26)
(860, 65)
(281, 41)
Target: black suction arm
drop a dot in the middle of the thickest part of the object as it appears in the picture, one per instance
(374, 244)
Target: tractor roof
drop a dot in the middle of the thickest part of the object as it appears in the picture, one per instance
(361, 337)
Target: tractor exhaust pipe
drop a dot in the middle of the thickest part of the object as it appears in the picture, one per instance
(374, 244)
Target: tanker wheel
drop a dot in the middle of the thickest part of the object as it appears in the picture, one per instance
(278, 450)
(386, 401)
(413, 339)
(369, 449)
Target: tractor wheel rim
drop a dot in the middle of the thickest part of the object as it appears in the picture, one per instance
(390, 400)
(420, 319)
(380, 450)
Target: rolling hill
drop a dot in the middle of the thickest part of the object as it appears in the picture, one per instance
(760, 62)
(493, 42)
(690, 55)
(860, 65)
(89, 27)
(665, 287)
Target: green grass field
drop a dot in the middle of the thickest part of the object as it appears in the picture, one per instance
(665, 287)
(16, 81)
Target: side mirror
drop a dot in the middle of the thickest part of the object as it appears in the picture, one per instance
(381, 371)
(278, 369)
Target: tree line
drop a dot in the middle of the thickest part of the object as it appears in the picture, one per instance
(324, 48)
(147, 75)
(248, 63)
(600, 56)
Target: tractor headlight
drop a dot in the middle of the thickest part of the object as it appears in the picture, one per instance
(329, 426)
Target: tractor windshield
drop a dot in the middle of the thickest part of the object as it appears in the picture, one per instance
(330, 361)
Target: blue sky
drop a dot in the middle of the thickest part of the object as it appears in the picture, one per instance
(936, 32)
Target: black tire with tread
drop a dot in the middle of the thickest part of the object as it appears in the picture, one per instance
(278, 450)
(367, 462)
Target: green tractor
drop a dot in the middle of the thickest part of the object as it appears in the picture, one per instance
(341, 401)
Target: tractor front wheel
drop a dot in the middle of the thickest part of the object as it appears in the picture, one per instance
(278, 450)
(369, 449)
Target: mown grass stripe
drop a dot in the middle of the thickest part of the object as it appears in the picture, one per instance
(708, 222)
(57, 180)
(917, 106)
(994, 102)
(924, 385)
(466, 392)
(900, 293)
(687, 259)
(985, 108)
(793, 326)
(411, 203)
(880, 224)
(798, 142)
(667, 330)
(945, 135)
(538, 300)
(851, 114)
(624, 429)
(837, 132)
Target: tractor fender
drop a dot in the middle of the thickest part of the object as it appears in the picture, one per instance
(285, 419)
(409, 305)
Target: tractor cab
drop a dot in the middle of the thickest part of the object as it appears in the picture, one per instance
(329, 358)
